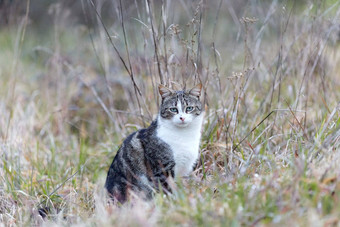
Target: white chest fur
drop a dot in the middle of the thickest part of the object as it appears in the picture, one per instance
(184, 143)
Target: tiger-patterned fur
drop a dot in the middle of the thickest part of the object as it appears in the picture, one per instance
(167, 148)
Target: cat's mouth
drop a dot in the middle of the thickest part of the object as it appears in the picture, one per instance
(182, 124)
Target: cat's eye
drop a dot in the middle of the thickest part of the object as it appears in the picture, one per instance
(173, 109)
(189, 109)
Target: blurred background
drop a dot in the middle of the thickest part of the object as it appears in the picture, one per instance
(64, 51)
(76, 77)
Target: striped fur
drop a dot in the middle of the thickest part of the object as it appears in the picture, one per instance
(168, 147)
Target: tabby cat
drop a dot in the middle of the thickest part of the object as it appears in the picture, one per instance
(167, 148)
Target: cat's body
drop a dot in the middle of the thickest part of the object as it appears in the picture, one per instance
(184, 144)
(167, 148)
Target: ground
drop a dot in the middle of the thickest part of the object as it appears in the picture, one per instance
(73, 87)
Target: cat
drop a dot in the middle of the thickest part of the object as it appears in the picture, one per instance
(169, 147)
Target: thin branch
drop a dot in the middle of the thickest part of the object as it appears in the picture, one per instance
(164, 17)
(17, 53)
(87, 21)
(291, 111)
(60, 185)
(96, 53)
(115, 48)
(155, 44)
(128, 56)
(253, 129)
(199, 59)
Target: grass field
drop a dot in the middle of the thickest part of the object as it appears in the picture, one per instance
(72, 88)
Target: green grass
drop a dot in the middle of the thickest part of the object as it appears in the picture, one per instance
(66, 104)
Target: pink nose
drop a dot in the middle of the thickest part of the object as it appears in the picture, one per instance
(182, 118)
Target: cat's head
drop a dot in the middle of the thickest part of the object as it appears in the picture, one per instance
(180, 107)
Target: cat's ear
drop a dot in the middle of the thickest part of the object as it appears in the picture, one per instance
(164, 91)
(196, 91)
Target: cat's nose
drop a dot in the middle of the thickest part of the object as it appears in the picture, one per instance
(182, 118)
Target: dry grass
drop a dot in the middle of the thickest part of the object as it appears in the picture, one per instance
(70, 94)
